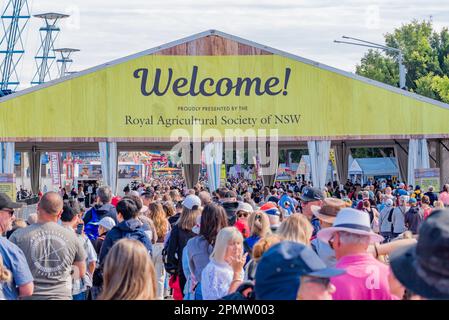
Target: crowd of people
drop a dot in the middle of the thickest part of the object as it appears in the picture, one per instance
(244, 241)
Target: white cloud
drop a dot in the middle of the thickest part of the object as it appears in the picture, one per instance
(105, 30)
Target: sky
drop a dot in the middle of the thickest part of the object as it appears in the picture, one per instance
(105, 30)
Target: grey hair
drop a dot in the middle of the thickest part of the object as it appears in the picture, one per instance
(105, 194)
(353, 238)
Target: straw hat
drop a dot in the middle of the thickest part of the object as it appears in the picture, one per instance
(328, 210)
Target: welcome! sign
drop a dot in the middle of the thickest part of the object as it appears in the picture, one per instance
(150, 96)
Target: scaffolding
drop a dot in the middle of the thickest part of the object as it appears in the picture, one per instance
(14, 17)
(65, 60)
(45, 55)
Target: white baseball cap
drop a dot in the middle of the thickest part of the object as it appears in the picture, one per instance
(191, 200)
(243, 206)
(107, 222)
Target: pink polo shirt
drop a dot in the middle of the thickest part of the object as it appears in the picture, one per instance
(365, 279)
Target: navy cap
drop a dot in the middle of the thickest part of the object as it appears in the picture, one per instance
(273, 199)
(311, 194)
(279, 271)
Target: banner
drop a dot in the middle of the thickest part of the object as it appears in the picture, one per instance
(133, 171)
(8, 185)
(89, 171)
(153, 95)
(428, 177)
(285, 175)
(55, 173)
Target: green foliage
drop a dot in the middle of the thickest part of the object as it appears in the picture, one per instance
(375, 66)
(295, 155)
(441, 85)
(426, 58)
(372, 152)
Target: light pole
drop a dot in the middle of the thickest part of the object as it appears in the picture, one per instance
(402, 70)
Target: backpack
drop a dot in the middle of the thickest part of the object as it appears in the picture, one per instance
(247, 248)
(91, 228)
(239, 293)
(97, 279)
(170, 268)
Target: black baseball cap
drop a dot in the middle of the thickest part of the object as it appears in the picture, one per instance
(6, 202)
(311, 194)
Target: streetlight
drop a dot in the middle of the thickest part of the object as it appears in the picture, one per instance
(402, 70)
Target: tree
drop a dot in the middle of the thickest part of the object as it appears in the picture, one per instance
(371, 152)
(378, 67)
(426, 58)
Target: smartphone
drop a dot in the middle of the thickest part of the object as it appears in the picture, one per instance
(79, 228)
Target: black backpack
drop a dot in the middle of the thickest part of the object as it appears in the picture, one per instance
(238, 294)
(170, 268)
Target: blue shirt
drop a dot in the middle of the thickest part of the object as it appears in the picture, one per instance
(316, 226)
(14, 260)
(250, 241)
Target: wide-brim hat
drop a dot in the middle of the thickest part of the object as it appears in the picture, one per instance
(328, 210)
(351, 221)
(423, 268)
(404, 266)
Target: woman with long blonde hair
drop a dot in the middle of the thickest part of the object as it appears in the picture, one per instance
(259, 226)
(296, 228)
(157, 215)
(128, 273)
(224, 272)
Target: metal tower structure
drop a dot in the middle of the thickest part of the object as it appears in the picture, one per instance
(65, 60)
(14, 17)
(45, 55)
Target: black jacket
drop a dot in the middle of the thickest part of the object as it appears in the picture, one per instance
(176, 243)
(131, 229)
(432, 197)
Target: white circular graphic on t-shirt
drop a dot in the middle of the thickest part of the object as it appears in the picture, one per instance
(48, 252)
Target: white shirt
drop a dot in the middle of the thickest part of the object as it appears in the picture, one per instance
(216, 279)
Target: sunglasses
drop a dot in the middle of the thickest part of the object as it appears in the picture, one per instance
(243, 214)
(323, 281)
(11, 212)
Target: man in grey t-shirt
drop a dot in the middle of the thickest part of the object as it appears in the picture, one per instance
(51, 251)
